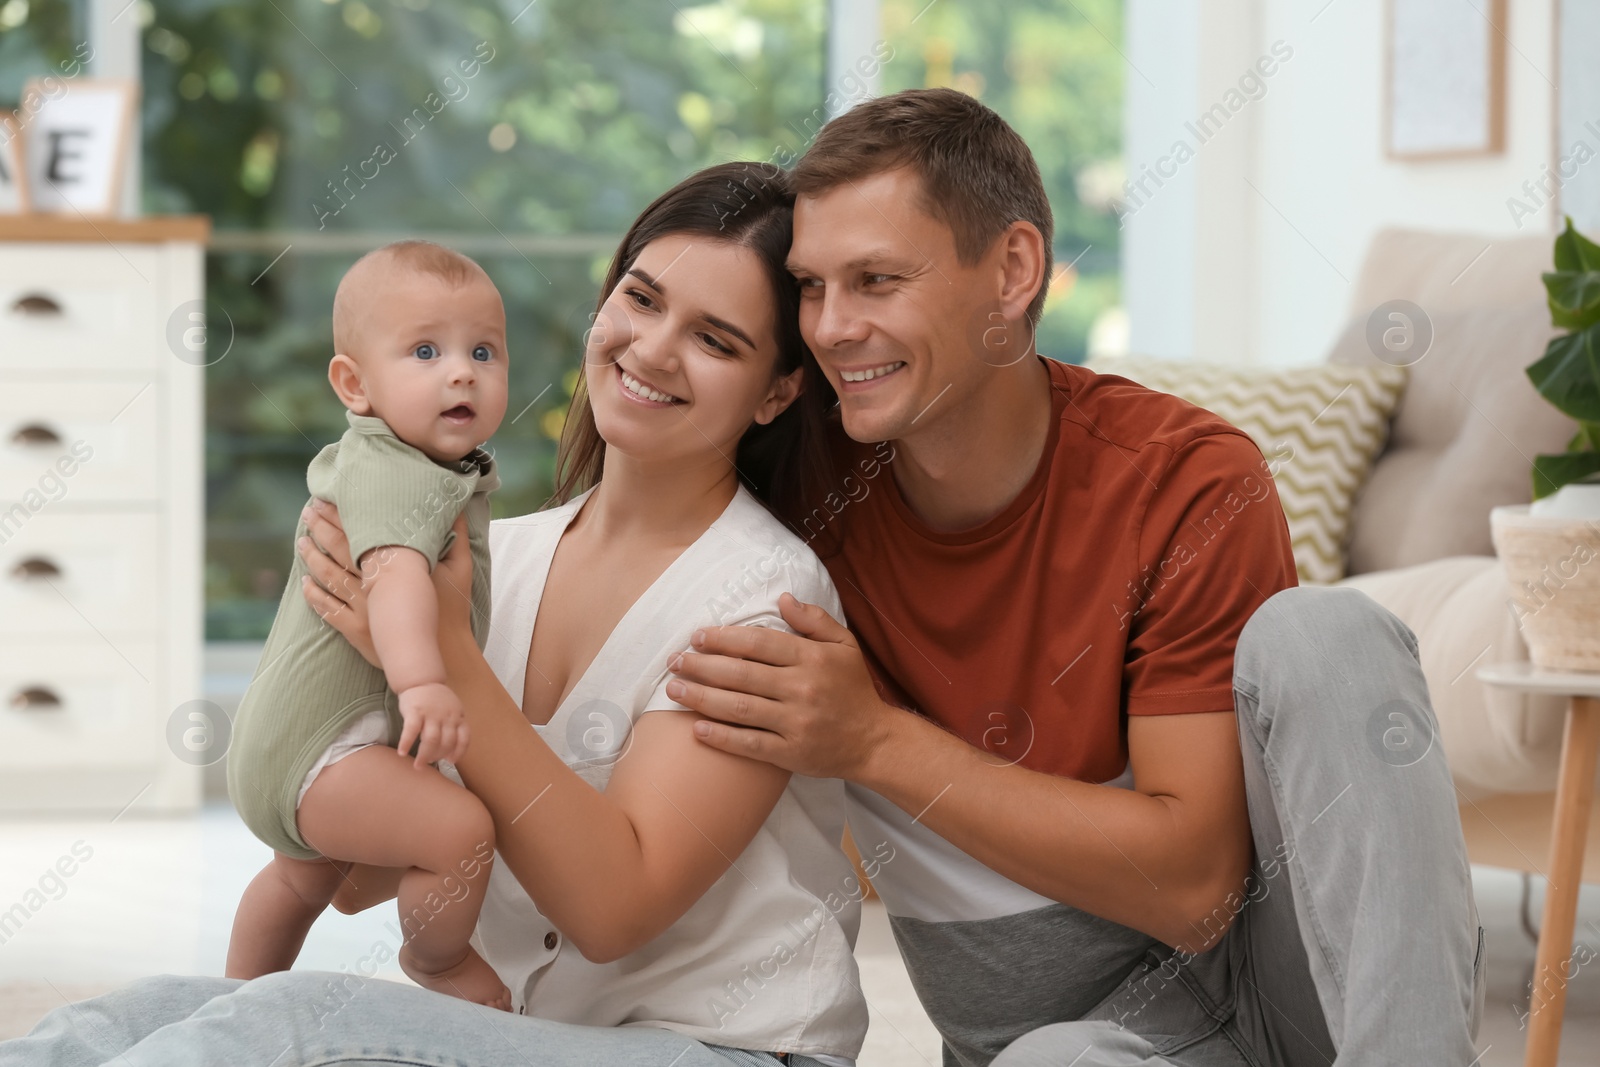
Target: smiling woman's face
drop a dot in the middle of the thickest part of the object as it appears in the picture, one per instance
(682, 357)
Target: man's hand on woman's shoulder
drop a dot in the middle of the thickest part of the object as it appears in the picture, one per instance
(803, 701)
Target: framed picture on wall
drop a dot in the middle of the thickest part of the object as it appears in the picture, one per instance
(1577, 186)
(1445, 64)
(13, 178)
(75, 143)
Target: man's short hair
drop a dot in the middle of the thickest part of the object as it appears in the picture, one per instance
(977, 174)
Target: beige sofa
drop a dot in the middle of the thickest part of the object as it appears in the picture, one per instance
(1461, 443)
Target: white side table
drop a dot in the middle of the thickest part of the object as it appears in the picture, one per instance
(1580, 752)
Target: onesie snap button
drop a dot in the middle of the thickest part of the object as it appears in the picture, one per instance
(550, 939)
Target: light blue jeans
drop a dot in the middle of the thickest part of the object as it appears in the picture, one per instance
(311, 1018)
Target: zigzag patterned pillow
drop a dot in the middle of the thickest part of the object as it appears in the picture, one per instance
(1320, 428)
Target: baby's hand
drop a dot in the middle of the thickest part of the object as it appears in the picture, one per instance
(433, 712)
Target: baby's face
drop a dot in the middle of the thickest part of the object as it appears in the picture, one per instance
(433, 360)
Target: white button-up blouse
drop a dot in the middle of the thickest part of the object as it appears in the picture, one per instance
(764, 959)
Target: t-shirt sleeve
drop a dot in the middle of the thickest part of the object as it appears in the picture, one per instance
(802, 575)
(388, 493)
(1214, 545)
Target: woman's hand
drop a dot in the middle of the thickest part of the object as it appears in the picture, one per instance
(335, 589)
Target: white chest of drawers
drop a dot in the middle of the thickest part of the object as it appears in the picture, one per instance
(101, 512)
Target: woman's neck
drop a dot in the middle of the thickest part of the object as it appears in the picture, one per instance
(650, 501)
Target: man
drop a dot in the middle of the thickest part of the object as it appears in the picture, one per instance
(1131, 796)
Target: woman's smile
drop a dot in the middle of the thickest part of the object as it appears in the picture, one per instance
(641, 393)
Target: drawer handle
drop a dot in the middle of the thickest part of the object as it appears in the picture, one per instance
(35, 567)
(35, 433)
(35, 698)
(35, 304)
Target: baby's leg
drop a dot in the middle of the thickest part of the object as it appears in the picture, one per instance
(277, 911)
(365, 886)
(375, 807)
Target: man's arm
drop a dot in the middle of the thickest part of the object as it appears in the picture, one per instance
(1162, 857)
(1168, 857)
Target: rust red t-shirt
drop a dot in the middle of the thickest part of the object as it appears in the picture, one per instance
(1115, 584)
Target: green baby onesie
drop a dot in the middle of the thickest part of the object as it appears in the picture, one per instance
(310, 683)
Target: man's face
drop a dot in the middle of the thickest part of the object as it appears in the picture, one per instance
(886, 306)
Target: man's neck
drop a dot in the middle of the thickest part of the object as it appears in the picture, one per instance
(963, 470)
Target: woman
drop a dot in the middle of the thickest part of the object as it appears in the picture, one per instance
(658, 902)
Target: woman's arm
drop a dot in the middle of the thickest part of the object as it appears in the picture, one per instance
(611, 870)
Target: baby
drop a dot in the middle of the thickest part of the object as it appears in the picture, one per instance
(320, 763)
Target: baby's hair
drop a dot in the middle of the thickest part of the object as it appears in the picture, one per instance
(411, 254)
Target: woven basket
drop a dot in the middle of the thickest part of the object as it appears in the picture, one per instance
(1553, 577)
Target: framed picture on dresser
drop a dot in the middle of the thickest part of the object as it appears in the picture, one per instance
(13, 178)
(76, 143)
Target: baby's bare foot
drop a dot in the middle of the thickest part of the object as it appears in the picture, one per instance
(470, 978)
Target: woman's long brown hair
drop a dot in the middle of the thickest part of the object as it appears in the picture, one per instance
(751, 205)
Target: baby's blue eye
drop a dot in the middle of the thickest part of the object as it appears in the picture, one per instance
(482, 354)
(425, 351)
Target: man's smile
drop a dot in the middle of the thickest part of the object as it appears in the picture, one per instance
(863, 377)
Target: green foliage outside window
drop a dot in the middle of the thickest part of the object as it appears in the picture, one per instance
(1050, 68)
(340, 126)
(528, 135)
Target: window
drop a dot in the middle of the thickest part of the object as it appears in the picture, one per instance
(1051, 69)
(36, 37)
(528, 135)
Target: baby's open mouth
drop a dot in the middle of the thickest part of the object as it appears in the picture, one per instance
(460, 414)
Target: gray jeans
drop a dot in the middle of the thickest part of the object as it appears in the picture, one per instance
(312, 1018)
(1357, 942)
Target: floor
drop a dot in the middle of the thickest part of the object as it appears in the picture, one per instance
(149, 895)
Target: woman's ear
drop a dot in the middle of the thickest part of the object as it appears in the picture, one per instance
(785, 389)
(344, 374)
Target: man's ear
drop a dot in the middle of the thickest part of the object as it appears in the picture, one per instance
(785, 389)
(1021, 268)
(344, 374)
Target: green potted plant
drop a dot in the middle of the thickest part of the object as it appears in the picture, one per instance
(1551, 549)
(1568, 374)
